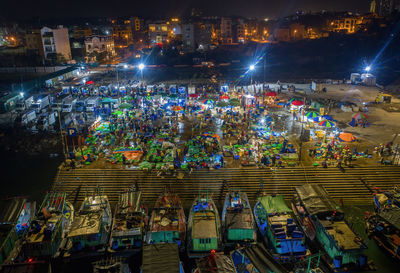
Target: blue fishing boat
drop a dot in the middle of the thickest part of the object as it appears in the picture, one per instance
(237, 219)
(242, 263)
(282, 235)
(344, 248)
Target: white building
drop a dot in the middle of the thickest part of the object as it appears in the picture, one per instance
(100, 43)
(55, 41)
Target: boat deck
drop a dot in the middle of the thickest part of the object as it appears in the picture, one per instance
(166, 219)
(39, 236)
(204, 225)
(284, 227)
(239, 219)
(342, 233)
(86, 224)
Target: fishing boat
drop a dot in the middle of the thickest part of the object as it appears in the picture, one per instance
(282, 235)
(15, 217)
(237, 219)
(384, 225)
(111, 265)
(242, 262)
(91, 225)
(46, 231)
(344, 248)
(204, 228)
(167, 222)
(129, 222)
(215, 263)
(161, 257)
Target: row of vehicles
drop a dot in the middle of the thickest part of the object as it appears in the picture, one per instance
(291, 235)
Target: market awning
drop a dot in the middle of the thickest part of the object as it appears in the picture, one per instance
(297, 103)
(89, 82)
(347, 137)
(271, 94)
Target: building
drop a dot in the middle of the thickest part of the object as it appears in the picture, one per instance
(82, 33)
(347, 25)
(282, 34)
(159, 33)
(50, 44)
(226, 30)
(384, 7)
(139, 32)
(99, 44)
(297, 31)
(122, 33)
(203, 33)
(188, 37)
(56, 43)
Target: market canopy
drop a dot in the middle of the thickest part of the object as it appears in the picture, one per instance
(193, 95)
(271, 94)
(177, 108)
(297, 103)
(274, 204)
(109, 100)
(224, 97)
(312, 114)
(327, 124)
(208, 101)
(360, 116)
(347, 137)
(89, 82)
(125, 105)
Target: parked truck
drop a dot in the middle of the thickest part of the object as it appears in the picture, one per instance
(69, 105)
(24, 104)
(59, 102)
(40, 102)
(80, 105)
(92, 103)
(28, 116)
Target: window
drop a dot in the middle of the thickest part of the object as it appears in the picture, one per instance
(164, 28)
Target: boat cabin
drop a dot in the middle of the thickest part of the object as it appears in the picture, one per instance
(204, 229)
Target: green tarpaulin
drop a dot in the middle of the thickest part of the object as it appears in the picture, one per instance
(274, 204)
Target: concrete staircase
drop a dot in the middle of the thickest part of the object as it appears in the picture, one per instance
(354, 185)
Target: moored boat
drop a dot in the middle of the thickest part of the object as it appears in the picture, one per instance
(384, 224)
(129, 222)
(161, 257)
(91, 225)
(47, 229)
(204, 228)
(215, 263)
(15, 217)
(344, 248)
(281, 233)
(237, 219)
(167, 222)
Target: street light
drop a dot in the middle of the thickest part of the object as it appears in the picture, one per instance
(125, 66)
(368, 68)
(251, 68)
(21, 94)
(141, 67)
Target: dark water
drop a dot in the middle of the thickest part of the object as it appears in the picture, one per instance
(32, 176)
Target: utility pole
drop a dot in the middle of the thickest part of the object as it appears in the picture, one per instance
(61, 133)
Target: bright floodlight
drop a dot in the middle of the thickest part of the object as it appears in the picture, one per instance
(368, 68)
(21, 94)
(252, 67)
(125, 66)
(141, 66)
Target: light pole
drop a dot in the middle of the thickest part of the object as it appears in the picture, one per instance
(251, 68)
(141, 67)
(368, 68)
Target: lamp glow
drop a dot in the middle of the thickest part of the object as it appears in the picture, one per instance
(368, 68)
(252, 67)
(141, 66)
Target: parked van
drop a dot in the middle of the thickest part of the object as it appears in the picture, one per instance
(68, 105)
(92, 103)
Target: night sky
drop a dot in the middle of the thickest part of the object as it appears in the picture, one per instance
(24, 9)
